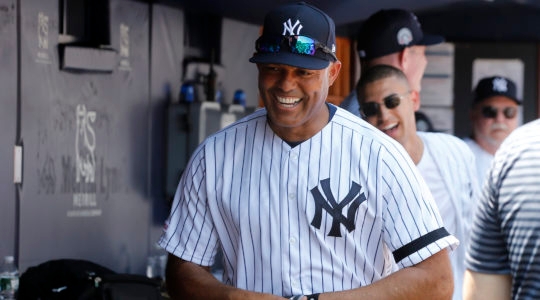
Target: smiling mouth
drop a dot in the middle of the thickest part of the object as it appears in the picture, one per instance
(388, 129)
(288, 101)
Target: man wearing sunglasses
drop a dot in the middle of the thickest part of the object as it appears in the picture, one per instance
(445, 161)
(393, 37)
(493, 117)
(305, 200)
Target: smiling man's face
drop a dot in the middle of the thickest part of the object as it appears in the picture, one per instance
(399, 121)
(295, 98)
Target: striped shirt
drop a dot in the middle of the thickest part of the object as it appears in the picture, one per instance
(506, 229)
(326, 215)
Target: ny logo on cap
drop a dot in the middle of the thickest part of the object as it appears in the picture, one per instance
(404, 36)
(500, 85)
(289, 28)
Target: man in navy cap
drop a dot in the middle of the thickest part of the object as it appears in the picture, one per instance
(393, 37)
(494, 115)
(305, 200)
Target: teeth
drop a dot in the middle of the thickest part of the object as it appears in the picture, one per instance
(389, 127)
(288, 100)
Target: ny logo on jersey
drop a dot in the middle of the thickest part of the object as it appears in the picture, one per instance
(335, 209)
(289, 28)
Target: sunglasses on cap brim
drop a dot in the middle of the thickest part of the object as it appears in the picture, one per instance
(298, 44)
(491, 112)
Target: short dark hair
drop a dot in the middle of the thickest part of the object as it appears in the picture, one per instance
(375, 73)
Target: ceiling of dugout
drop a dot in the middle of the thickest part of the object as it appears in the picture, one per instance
(457, 20)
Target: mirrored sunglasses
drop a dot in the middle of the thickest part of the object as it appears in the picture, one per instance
(297, 44)
(370, 109)
(491, 112)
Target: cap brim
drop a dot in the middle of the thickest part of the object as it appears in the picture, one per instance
(486, 96)
(290, 59)
(431, 39)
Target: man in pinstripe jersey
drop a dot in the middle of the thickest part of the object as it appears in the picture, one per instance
(445, 161)
(503, 256)
(301, 197)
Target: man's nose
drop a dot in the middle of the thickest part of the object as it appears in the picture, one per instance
(500, 116)
(287, 81)
(382, 114)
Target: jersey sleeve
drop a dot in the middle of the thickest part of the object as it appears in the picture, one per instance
(414, 229)
(189, 232)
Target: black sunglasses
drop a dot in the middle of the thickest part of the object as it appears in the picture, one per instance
(490, 112)
(297, 44)
(370, 109)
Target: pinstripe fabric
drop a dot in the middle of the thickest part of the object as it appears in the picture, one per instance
(250, 192)
(483, 160)
(456, 164)
(506, 231)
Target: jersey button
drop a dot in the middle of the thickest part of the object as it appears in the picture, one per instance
(292, 240)
(294, 156)
(292, 197)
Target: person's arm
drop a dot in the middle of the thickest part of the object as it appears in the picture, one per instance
(186, 280)
(431, 279)
(482, 286)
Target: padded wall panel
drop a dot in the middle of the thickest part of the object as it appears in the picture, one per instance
(8, 123)
(86, 139)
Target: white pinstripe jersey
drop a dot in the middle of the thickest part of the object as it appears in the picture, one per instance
(325, 215)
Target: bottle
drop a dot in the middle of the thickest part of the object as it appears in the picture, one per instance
(151, 267)
(219, 94)
(239, 97)
(187, 93)
(9, 279)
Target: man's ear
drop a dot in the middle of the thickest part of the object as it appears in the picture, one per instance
(415, 98)
(333, 71)
(403, 58)
(473, 114)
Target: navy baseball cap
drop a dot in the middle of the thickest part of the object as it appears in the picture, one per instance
(390, 31)
(298, 35)
(495, 86)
